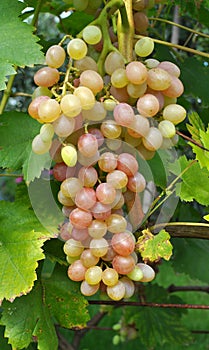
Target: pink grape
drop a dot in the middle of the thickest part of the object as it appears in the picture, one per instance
(101, 211)
(107, 162)
(123, 264)
(148, 105)
(117, 178)
(105, 193)
(88, 176)
(46, 77)
(136, 183)
(88, 145)
(80, 218)
(76, 271)
(123, 243)
(78, 234)
(127, 163)
(85, 198)
(136, 72)
(123, 114)
(88, 259)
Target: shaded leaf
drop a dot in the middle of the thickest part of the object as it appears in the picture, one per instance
(195, 126)
(74, 23)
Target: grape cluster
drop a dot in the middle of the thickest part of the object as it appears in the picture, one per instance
(92, 126)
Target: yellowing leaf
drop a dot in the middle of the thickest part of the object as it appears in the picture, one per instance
(154, 247)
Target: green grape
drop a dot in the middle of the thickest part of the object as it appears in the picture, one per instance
(119, 78)
(80, 5)
(39, 146)
(47, 132)
(136, 274)
(116, 339)
(144, 47)
(77, 49)
(69, 155)
(92, 34)
(41, 91)
(167, 128)
(175, 113)
(86, 97)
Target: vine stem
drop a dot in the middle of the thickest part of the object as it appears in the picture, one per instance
(191, 140)
(11, 175)
(180, 47)
(126, 30)
(184, 229)
(36, 13)
(156, 305)
(179, 26)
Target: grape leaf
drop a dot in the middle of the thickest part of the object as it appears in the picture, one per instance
(76, 22)
(17, 131)
(3, 341)
(157, 326)
(195, 181)
(195, 126)
(154, 247)
(190, 256)
(56, 298)
(202, 155)
(18, 44)
(21, 237)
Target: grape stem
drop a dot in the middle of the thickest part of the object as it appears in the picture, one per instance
(180, 47)
(184, 229)
(125, 29)
(191, 140)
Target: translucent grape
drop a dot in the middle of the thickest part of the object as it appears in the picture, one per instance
(97, 229)
(117, 291)
(96, 113)
(46, 77)
(109, 104)
(148, 272)
(77, 49)
(69, 155)
(80, 218)
(88, 259)
(175, 89)
(129, 287)
(113, 61)
(71, 186)
(64, 126)
(167, 128)
(86, 63)
(76, 271)
(41, 91)
(92, 34)
(71, 105)
(88, 145)
(85, 198)
(123, 264)
(136, 183)
(136, 274)
(136, 91)
(88, 161)
(153, 139)
(151, 63)
(93, 275)
(144, 47)
(67, 201)
(92, 80)
(111, 129)
(174, 113)
(119, 78)
(85, 96)
(117, 178)
(47, 132)
(55, 56)
(139, 127)
(136, 72)
(88, 176)
(87, 289)
(127, 163)
(123, 114)
(98, 134)
(105, 193)
(99, 246)
(148, 105)
(48, 110)
(107, 162)
(39, 146)
(101, 211)
(121, 94)
(123, 243)
(158, 79)
(73, 247)
(113, 144)
(78, 234)
(170, 67)
(109, 276)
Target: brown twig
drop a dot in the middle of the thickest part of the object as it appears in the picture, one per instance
(156, 305)
(172, 288)
(191, 140)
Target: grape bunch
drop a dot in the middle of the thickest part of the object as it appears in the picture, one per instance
(95, 126)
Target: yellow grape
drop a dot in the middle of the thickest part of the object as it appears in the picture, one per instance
(69, 155)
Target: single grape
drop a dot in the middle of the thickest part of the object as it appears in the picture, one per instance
(49, 110)
(88, 145)
(55, 56)
(70, 105)
(129, 287)
(153, 139)
(88, 161)
(113, 61)
(99, 246)
(47, 132)
(141, 22)
(88, 176)
(39, 146)
(87, 289)
(76, 271)
(109, 276)
(92, 34)
(80, 218)
(152, 63)
(101, 211)
(46, 77)
(73, 247)
(105, 193)
(86, 63)
(136, 183)
(175, 89)
(85, 198)
(136, 274)
(97, 229)
(174, 113)
(110, 129)
(136, 72)
(167, 128)
(147, 271)
(136, 90)
(107, 162)
(144, 47)
(158, 79)
(78, 234)
(170, 67)
(148, 105)
(96, 113)
(109, 104)
(77, 49)
(69, 155)
(80, 5)
(139, 127)
(119, 78)
(92, 80)
(93, 275)
(41, 91)
(98, 134)
(127, 163)
(67, 201)
(123, 264)
(85, 96)
(88, 259)
(120, 94)
(123, 114)
(117, 178)
(123, 243)
(71, 186)
(117, 291)
(64, 126)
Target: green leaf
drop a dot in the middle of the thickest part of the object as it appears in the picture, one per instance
(154, 247)
(18, 44)
(3, 341)
(55, 299)
(196, 125)
(17, 131)
(21, 239)
(202, 155)
(65, 301)
(190, 256)
(195, 181)
(76, 22)
(158, 326)
(158, 167)
(29, 316)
